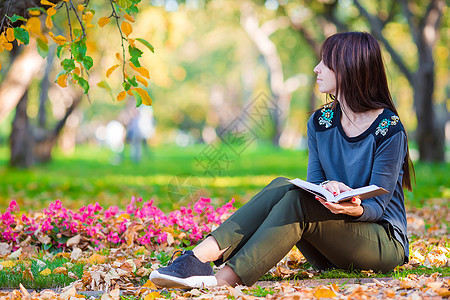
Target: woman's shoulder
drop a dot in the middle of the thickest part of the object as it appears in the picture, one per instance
(387, 125)
(324, 118)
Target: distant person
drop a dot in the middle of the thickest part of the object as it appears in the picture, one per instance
(139, 130)
(355, 140)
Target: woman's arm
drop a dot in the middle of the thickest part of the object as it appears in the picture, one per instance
(387, 166)
(315, 173)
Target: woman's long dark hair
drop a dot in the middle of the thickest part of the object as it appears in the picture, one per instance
(356, 60)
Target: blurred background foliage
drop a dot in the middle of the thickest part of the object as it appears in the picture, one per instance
(206, 68)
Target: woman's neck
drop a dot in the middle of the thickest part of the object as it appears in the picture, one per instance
(355, 123)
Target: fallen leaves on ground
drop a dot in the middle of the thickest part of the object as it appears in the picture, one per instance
(124, 270)
(411, 287)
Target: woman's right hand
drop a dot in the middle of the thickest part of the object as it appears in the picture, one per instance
(336, 187)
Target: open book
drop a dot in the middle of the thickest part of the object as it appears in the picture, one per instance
(362, 192)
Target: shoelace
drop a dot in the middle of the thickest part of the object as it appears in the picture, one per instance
(174, 253)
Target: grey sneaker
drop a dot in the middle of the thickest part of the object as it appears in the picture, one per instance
(186, 272)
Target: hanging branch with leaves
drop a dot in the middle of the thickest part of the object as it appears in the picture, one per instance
(72, 49)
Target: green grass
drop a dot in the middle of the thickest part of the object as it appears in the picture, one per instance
(12, 277)
(167, 175)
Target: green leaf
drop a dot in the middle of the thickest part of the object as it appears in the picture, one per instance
(15, 18)
(88, 62)
(146, 44)
(59, 50)
(77, 32)
(22, 35)
(138, 98)
(79, 50)
(133, 81)
(133, 9)
(103, 84)
(126, 86)
(46, 246)
(68, 64)
(84, 84)
(41, 9)
(63, 239)
(124, 3)
(135, 61)
(42, 48)
(135, 52)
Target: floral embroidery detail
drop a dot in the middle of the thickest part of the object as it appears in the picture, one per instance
(384, 125)
(327, 116)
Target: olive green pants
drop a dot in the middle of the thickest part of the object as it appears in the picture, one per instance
(261, 233)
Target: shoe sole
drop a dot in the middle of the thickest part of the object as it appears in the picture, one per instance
(167, 281)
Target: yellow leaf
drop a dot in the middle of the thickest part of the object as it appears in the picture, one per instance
(123, 216)
(49, 22)
(118, 56)
(146, 100)
(122, 95)
(142, 80)
(77, 71)
(62, 80)
(34, 12)
(87, 17)
(60, 270)
(34, 25)
(324, 292)
(152, 295)
(45, 272)
(10, 34)
(110, 70)
(131, 42)
(45, 2)
(141, 70)
(59, 39)
(97, 259)
(126, 28)
(149, 285)
(80, 7)
(103, 21)
(51, 11)
(0, 65)
(8, 46)
(8, 263)
(129, 18)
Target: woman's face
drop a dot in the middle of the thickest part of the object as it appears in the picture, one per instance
(326, 79)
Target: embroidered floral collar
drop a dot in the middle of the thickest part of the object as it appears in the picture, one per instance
(383, 127)
(326, 117)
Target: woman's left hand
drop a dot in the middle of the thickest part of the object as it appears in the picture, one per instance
(352, 208)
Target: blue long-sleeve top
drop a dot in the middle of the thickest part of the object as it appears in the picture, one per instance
(375, 156)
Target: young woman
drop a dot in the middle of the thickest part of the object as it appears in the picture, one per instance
(355, 140)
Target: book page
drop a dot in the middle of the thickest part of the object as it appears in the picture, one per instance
(313, 188)
(363, 193)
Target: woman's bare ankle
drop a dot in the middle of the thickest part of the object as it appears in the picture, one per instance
(208, 250)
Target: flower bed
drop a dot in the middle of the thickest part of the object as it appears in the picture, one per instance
(95, 227)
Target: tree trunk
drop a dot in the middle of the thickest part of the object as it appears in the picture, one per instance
(22, 71)
(21, 140)
(430, 128)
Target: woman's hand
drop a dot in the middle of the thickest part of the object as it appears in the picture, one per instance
(352, 208)
(336, 187)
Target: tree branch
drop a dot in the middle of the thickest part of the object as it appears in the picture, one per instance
(431, 19)
(376, 29)
(269, 27)
(409, 17)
